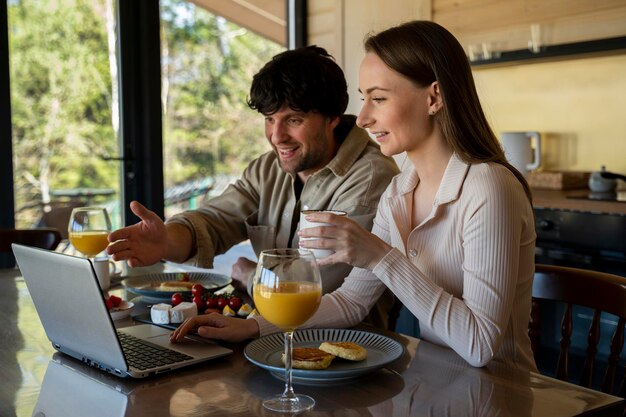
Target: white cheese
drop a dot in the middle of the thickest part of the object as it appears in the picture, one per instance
(160, 313)
(182, 311)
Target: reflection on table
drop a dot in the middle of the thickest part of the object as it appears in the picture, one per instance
(427, 380)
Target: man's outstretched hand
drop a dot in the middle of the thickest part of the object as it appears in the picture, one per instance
(142, 244)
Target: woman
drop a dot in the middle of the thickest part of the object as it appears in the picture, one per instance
(454, 236)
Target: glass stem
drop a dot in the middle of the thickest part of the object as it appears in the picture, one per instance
(288, 393)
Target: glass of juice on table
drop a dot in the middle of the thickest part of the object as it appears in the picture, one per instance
(88, 230)
(287, 291)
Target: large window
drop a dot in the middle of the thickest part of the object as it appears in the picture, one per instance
(82, 122)
(209, 133)
(64, 105)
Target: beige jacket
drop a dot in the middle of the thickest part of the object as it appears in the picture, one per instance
(262, 204)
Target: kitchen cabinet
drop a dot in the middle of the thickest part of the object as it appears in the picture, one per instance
(492, 29)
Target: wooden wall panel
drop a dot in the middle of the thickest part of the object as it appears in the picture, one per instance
(325, 26)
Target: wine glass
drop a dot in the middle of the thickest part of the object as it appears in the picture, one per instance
(88, 230)
(287, 291)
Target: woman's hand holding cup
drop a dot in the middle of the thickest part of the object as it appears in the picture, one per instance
(335, 238)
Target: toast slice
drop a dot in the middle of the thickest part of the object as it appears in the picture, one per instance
(345, 350)
(310, 358)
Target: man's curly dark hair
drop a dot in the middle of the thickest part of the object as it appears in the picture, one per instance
(304, 79)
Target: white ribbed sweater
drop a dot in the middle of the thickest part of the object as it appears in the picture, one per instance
(465, 272)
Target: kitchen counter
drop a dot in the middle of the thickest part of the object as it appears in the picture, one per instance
(572, 200)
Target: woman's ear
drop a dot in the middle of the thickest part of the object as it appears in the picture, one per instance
(435, 101)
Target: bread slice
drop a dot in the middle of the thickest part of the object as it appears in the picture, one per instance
(310, 358)
(176, 285)
(345, 350)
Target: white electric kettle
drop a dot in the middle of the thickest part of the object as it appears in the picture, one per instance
(520, 152)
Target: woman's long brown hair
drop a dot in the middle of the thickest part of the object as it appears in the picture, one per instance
(425, 52)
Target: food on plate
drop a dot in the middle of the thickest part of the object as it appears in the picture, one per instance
(222, 302)
(199, 302)
(234, 302)
(244, 310)
(206, 302)
(113, 302)
(176, 285)
(183, 311)
(182, 276)
(211, 303)
(164, 313)
(310, 358)
(197, 289)
(345, 350)
(253, 313)
(176, 299)
(160, 313)
(229, 312)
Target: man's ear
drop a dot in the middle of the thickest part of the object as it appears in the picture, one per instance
(333, 121)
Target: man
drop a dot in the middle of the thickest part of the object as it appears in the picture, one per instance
(319, 160)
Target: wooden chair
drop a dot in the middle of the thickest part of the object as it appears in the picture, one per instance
(599, 291)
(45, 238)
(57, 214)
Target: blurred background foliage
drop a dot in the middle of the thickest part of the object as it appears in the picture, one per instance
(64, 100)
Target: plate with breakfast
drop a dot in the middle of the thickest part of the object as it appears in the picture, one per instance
(164, 285)
(325, 355)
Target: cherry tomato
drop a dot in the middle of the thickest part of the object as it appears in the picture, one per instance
(200, 303)
(197, 289)
(115, 300)
(221, 302)
(177, 298)
(234, 303)
(211, 302)
(108, 303)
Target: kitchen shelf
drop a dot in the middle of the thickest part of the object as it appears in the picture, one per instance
(600, 46)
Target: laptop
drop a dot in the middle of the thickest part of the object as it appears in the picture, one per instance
(72, 310)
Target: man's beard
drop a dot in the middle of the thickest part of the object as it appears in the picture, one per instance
(305, 163)
(314, 158)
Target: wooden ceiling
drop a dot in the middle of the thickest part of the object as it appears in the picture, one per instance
(265, 17)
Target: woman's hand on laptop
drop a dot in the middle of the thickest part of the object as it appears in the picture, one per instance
(217, 326)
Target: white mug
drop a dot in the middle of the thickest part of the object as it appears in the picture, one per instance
(105, 269)
(305, 224)
(520, 152)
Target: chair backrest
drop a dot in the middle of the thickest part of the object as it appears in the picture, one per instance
(45, 238)
(57, 214)
(599, 291)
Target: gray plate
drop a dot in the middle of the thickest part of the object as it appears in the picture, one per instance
(381, 350)
(148, 285)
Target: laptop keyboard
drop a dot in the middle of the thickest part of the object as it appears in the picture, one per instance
(142, 355)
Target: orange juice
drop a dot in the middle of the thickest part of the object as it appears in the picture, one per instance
(288, 306)
(89, 243)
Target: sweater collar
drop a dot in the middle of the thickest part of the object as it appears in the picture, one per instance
(451, 182)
